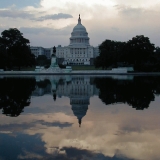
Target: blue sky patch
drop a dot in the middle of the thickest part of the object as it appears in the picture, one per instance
(19, 3)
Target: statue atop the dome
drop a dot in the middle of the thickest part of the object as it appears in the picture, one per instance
(79, 20)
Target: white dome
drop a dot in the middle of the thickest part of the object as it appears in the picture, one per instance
(79, 35)
(79, 27)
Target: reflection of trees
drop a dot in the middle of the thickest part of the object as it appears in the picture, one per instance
(15, 95)
(138, 93)
(43, 84)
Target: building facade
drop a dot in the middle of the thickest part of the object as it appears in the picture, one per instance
(78, 52)
(41, 51)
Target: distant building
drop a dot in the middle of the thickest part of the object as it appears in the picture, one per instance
(78, 52)
(41, 51)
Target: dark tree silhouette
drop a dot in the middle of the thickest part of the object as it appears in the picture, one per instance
(41, 60)
(138, 52)
(16, 48)
(110, 54)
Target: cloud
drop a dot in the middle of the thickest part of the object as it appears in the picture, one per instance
(29, 155)
(76, 153)
(46, 30)
(12, 13)
(55, 17)
(15, 14)
(130, 11)
(55, 124)
(65, 3)
(11, 128)
(69, 153)
(137, 3)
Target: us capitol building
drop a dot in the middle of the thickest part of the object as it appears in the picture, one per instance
(78, 52)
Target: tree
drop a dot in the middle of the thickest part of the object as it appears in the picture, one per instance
(139, 50)
(157, 50)
(17, 48)
(3, 56)
(110, 54)
(42, 60)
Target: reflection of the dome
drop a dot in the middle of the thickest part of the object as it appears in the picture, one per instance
(79, 111)
(78, 89)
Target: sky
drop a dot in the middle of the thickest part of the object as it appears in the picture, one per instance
(49, 23)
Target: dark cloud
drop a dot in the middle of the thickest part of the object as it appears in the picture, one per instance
(25, 126)
(55, 124)
(46, 30)
(129, 129)
(12, 13)
(15, 14)
(129, 11)
(55, 17)
(73, 153)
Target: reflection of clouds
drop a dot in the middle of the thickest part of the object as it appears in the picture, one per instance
(38, 105)
(6, 132)
(103, 137)
(126, 132)
(34, 122)
(9, 128)
(56, 124)
(30, 155)
(69, 153)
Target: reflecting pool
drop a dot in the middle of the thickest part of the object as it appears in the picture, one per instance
(79, 117)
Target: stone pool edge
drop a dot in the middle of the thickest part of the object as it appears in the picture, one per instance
(93, 72)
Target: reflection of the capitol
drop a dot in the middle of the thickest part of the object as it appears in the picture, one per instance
(78, 89)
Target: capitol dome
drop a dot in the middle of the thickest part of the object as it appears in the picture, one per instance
(79, 27)
(79, 35)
